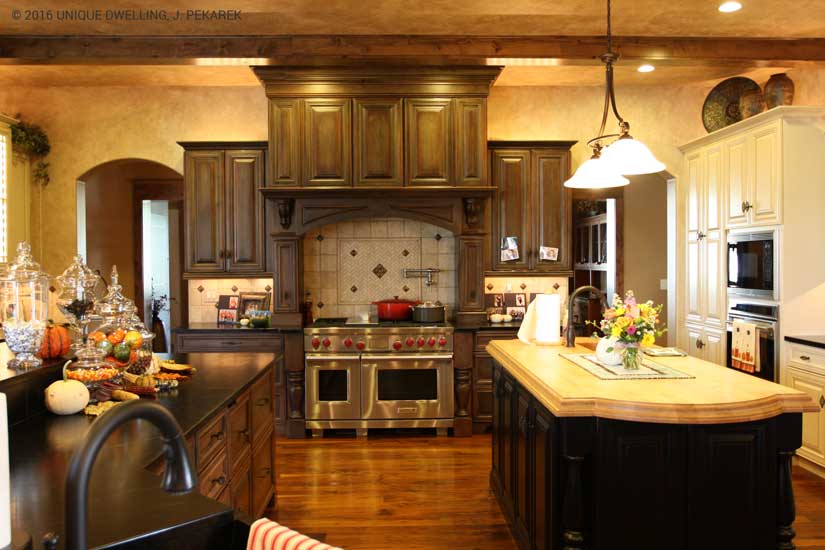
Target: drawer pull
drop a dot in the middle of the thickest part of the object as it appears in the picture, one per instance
(245, 434)
(262, 402)
(217, 436)
(231, 343)
(219, 481)
(822, 402)
(805, 357)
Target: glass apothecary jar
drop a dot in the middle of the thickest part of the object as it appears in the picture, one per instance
(78, 289)
(24, 308)
(92, 369)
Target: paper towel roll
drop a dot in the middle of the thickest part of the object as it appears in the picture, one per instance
(548, 322)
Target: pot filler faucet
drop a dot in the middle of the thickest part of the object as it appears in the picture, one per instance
(569, 331)
(179, 476)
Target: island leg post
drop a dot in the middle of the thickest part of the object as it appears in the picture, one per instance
(573, 506)
(786, 508)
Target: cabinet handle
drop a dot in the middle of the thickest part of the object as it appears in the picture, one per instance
(245, 434)
(699, 343)
(263, 401)
(217, 436)
(219, 480)
(805, 357)
(700, 236)
(822, 402)
(746, 206)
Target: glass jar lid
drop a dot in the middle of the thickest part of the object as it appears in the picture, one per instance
(114, 305)
(78, 288)
(24, 268)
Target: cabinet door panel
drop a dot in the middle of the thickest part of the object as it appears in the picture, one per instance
(507, 427)
(204, 211)
(240, 433)
(552, 208)
(693, 283)
(245, 211)
(767, 195)
(286, 265)
(284, 141)
(813, 423)
(511, 177)
(696, 344)
(715, 349)
(737, 176)
(263, 476)
(327, 142)
(378, 142)
(695, 176)
(471, 141)
(714, 284)
(429, 141)
(521, 464)
(241, 488)
(544, 481)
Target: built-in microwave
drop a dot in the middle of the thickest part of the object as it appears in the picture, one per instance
(753, 265)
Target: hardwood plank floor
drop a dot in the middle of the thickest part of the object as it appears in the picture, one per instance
(417, 492)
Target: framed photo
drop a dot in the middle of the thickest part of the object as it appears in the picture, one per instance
(498, 300)
(517, 312)
(227, 316)
(226, 301)
(253, 300)
(521, 300)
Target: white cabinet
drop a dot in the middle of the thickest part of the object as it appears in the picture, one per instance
(813, 423)
(753, 170)
(706, 343)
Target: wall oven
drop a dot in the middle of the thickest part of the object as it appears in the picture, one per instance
(753, 265)
(335, 385)
(406, 386)
(766, 320)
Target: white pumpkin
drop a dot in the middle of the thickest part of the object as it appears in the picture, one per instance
(66, 397)
(613, 357)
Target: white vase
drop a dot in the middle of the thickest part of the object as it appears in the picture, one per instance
(612, 357)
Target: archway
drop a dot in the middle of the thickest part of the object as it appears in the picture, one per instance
(130, 215)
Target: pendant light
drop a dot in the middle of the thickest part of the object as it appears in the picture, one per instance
(625, 156)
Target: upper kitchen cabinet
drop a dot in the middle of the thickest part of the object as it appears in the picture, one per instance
(429, 141)
(224, 208)
(532, 205)
(378, 142)
(378, 126)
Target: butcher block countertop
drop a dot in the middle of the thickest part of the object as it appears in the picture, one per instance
(717, 395)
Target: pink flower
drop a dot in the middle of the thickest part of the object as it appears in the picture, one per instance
(633, 311)
(631, 329)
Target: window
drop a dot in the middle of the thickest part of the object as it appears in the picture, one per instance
(5, 156)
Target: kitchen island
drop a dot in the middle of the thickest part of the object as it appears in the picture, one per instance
(226, 412)
(701, 462)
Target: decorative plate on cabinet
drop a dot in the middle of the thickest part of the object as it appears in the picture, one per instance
(721, 107)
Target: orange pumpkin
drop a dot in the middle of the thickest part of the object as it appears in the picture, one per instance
(56, 342)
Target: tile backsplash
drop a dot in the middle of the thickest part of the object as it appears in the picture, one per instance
(349, 265)
(203, 295)
(527, 285)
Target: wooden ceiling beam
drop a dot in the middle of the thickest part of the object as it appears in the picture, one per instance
(278, 50)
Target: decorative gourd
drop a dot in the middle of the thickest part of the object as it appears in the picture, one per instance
(56, 342)
(66, 397)
(612, 357)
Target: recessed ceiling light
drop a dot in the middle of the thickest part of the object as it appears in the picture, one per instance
(729, 7)
(646, 68)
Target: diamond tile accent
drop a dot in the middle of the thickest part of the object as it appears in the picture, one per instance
(234, 288)
(405, 252)
(556, 286)
(438, 237)
(319, 238)
(353, 288)
(379, 270)
(522, 286)
(52, 289)
(200, 288)
(353, 253)
(405, 288)
(268, 288)
(320, 305)
(489, 286)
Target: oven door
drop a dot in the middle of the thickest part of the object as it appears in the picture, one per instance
(333, 387)
(407, 386)
(766, 340)
(752, 265)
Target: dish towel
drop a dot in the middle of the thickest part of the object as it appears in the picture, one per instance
(266, 534)
(743, 347)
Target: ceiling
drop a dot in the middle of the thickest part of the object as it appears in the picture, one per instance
(686, 18)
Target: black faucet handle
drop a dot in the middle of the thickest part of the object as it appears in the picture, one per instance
(50, 541)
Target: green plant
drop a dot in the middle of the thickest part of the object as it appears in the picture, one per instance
(33, 141)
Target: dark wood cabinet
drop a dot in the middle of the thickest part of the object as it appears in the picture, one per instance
(284, 142)
(263, 474)
(429, 141)
(241, 488)
(204, 208)
(483, 376)
(327, 148)
(223, 209)
(470, 141)
(240, 432)
(532, 204)
(378, 142)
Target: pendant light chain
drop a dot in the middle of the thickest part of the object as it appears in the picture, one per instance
(609, 93)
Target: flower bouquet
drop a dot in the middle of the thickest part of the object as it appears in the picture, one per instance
(631, 325)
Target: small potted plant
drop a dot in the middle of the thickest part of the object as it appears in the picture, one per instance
(628, 326)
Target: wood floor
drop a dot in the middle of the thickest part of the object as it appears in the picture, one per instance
(416, 492)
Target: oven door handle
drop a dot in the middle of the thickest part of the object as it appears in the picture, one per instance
(443, 357)
(327, 357)
(763, 327)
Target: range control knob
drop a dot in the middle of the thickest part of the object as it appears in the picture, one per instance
(421, 342)
(326, 342)
(315, 342)
(360, 345)
(410, 342)
(442, 341)
(396, 345)
(431, 341)
(348, 342)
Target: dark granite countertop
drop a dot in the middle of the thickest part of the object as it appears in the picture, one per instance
(816, 341)
(126, 501)
(223, 328)
(515, 325)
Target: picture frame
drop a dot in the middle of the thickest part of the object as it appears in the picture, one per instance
(253, 300)
(227, 301)
(516, 312)
(227, 316)
(521, 300)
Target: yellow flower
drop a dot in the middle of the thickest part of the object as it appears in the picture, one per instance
(616, 332)
(619, 311)
(622, 322)
(648, 339)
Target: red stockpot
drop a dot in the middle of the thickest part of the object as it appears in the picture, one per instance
(396, 309)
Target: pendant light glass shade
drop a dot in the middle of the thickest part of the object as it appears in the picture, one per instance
(630, 157)
(595, 173)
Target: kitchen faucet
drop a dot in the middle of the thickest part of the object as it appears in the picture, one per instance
(178, 477)
(569, 331)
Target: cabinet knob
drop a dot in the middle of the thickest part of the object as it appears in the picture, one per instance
(700, 236)
(822, 402)
(699, 343)
(746, 206)
(219, 480)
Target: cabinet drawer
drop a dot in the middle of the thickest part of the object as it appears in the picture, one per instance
(263, 476)
(240, 431)
(242, 489)
(204, 343)
(808, 357)
(215, 477)
(484, 338)
(482, 369)
(263, 415)
(211, 440)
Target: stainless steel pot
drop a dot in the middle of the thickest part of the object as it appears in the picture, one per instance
(428, 312)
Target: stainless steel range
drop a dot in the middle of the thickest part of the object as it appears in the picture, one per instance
(378, 375)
